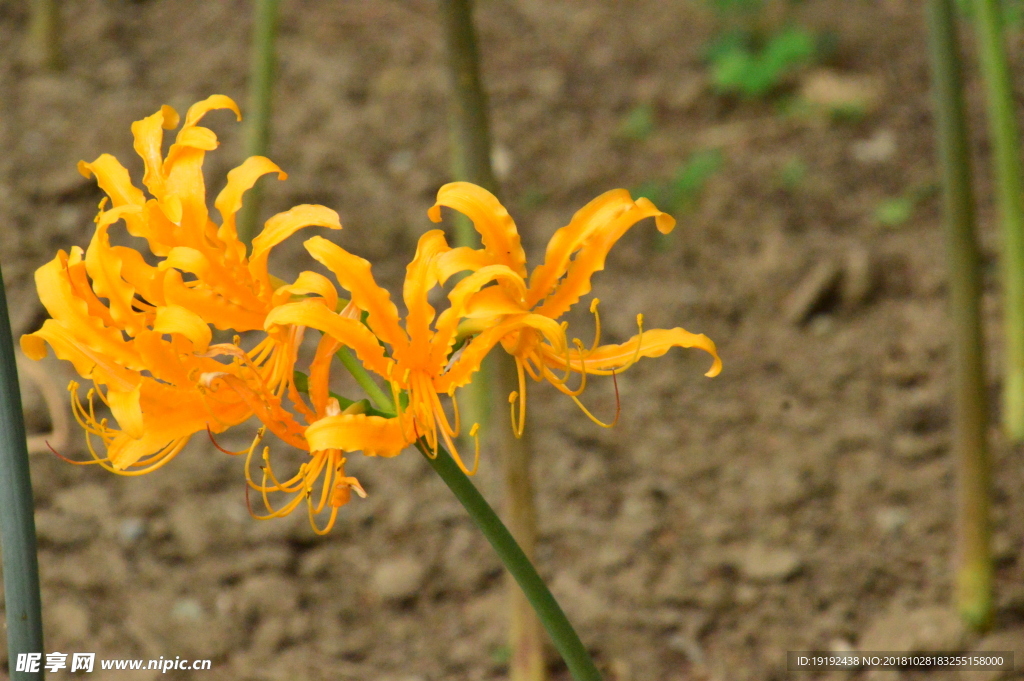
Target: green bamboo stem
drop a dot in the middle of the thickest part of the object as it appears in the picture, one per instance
(471, 161)
(550, 614)
(526, 640)
(973, 560)
(1009, 186)
(17, 514)
(468, 121)
(470, 139)
(43, 46)
(261, 91)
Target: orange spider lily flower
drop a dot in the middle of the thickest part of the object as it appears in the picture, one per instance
(146, 347)
(552, 288)
(414, 359)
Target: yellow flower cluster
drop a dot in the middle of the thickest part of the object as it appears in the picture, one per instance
(141, 332)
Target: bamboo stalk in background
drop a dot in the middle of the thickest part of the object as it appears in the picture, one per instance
(973, 561)
(1009, 184)
(471, 162)
(261, 91)
(17, 514)
(42, 48)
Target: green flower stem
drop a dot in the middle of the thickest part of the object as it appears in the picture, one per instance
(261, 91)
(544, 604)
(1009, 178)
(381, 399)
(973, 561)
(17, 514)
(550, 613)
(471, 162)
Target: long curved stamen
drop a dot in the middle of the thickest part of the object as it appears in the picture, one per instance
(455, 409)
(209, 433)
(96, 390)
(328, 479)
(330, 521)
(473, 433)
(86, 419)
(587, 411)
(424, 400)
(568, 360)
(513, 397)
(597, 324)
(262, 350)
(163, 457)
(522, 399)
(639, 344)
(264, 488)
(395, 399)
(440, 417)
(450, 444)
(528, 362)
(559, 384)
(293, 484)
(290, 485)
(64, 458)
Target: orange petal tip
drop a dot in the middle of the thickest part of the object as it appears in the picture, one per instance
(33, 346)
(171, 117)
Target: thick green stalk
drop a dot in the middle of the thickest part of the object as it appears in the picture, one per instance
(568, 643)
(471, 161)
(17, 513)
(1010, 185)
(43, 46)
(261, 91)
(550, 613)
(973, 560)
(380, 399)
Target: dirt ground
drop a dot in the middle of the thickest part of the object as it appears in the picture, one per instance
(801, 500)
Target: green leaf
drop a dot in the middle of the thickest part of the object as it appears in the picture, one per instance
(638, 124)
(693, 175)
(738, 68)
(793, 174)
(652, 191)
(894, 212)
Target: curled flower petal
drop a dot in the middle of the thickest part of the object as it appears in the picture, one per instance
(372, 435)
(308, 282)
(176, 319)
(497, 230)
(569, 239)
(279, 228)
(241, 180)
(354, 275)
(591, 256)
(654, 343)
(421, 276)
(349, 332)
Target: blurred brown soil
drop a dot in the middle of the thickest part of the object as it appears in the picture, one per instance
(801, 500)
